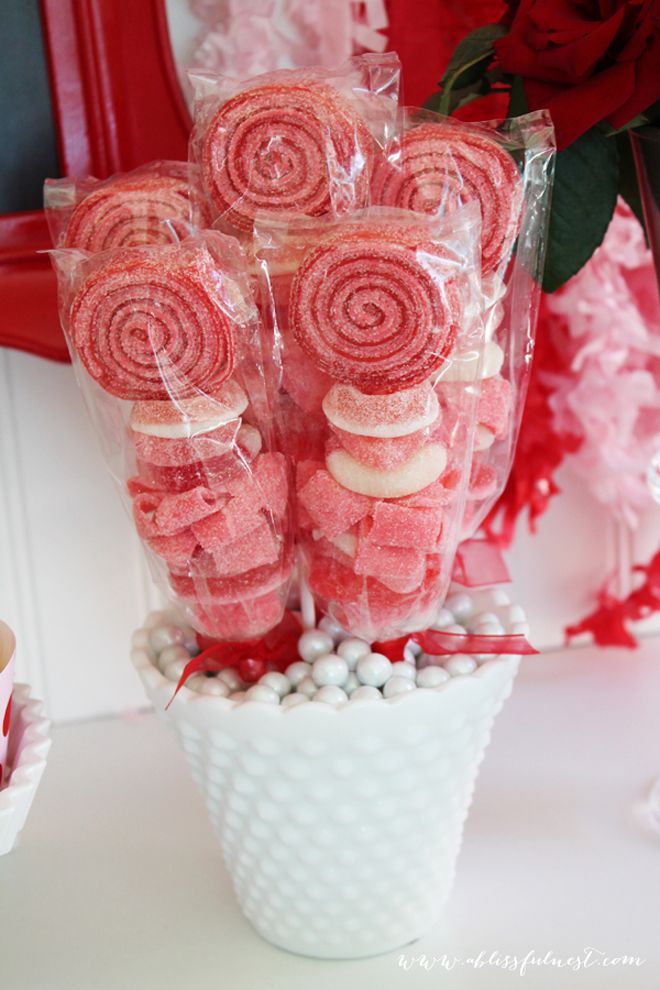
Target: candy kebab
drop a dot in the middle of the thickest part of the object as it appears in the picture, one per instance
(380, 305)
(137, 208)
(174, 330)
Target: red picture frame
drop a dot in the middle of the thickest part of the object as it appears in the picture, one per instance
(116, 104)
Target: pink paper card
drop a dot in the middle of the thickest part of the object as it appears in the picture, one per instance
(7, 653)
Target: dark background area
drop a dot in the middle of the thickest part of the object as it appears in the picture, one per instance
(28, 150)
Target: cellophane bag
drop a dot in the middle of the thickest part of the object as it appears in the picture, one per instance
(167, 348)
(436, 164)
(129, 209)
(293, 141)
(369, 320)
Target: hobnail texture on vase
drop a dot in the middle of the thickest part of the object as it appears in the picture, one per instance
(340, 827)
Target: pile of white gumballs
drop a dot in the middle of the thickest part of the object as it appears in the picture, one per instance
(336, 668)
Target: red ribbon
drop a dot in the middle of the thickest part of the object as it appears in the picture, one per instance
(479, 563)
(437, 642)
(252, 658)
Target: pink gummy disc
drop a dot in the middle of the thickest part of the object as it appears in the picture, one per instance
(398, 414)
(441, 165)
(146, 325)
(129, 213)
(189, 417)
(286, 148)
(370, 310)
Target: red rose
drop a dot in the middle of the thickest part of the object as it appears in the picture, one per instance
(585, 60)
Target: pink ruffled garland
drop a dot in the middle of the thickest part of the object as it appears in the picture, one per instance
(606, 322)
(243, 38)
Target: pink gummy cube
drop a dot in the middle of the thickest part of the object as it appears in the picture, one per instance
(234, 521)
(483, 481)
(399, 568)
(333, 508)
(248, 619)
(258, 547)
(175, 550)
(396, 525)
(495, 402)
(179, 511)
(382, 454)
(438, 493)
(263, 484)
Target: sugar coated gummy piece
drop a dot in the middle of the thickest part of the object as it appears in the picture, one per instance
(333, 508)
(260, 546)
(495, 401)
(275, 149)
(396, 525)
(179, 511)
(371, 311)
(189, 417)
(179, 340)
(398, 414)
(441, 164)
(248, 619)
(248, 584)
(399, 568)
(380, 454)
(129, 212)
(421, 470)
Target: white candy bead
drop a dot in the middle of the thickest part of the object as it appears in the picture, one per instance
(443, 618)
(352, 650)
(292, 700)
(487, 628)
(231, 679)
(460, 664)
(171, 654)
(196, 682)
(329, 669)
(278, 682)
(330, 694)
(483, 618)
(214, 686)
(431, 677)
(174, 670)
(403, 669)
(297, 672)
(332, 628)
(366, 693)
(165, 635)
(351, 683)
(455, 628)
(398, 685)
(313, 644)
(460, 605)
(307, 687)
(263, 693)
(374, 669)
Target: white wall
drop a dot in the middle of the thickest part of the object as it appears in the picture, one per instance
(72, 582)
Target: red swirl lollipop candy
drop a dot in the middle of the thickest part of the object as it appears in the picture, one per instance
(149, 324)
(130, 212)
(286, 148)
(442, 164)
(377, 306)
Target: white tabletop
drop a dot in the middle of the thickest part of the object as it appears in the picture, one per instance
(119, 885)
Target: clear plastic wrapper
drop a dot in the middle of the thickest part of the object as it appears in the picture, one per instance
(376, 309)
(434, 165)
(168, 351)
(129, 209)
(294, 141)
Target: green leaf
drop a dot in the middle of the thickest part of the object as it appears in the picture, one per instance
(583, 201)
(471, 58)
(628, 182)
(517, 99)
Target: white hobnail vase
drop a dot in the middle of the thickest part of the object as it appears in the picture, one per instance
(340, 827)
